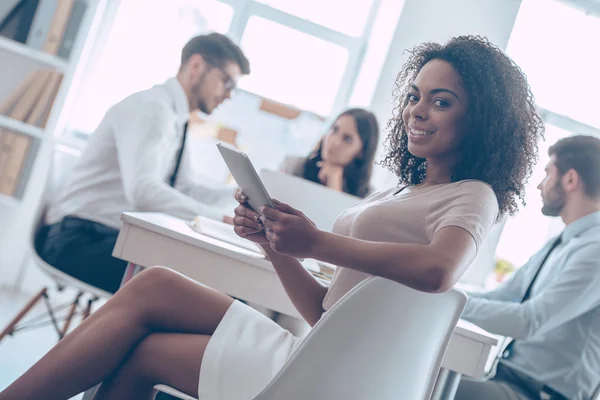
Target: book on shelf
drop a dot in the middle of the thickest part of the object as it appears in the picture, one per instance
(43, 104)
(32, 100)
(15, 161)
(45, 25)
(58, 26)
(16, 24)
(30, 103)
(41, 24)
(72, 29)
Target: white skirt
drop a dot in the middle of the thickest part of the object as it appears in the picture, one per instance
(243, 355)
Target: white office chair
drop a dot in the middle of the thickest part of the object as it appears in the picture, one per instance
(382, 341)
(61, 279)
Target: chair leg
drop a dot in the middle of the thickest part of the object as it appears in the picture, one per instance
(72, 311)
(22, 272)
(88, 309)
(11, 325)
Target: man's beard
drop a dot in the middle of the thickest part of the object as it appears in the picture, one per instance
(555, 201)
(197, 90)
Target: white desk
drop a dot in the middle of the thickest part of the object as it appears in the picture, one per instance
(157, 239)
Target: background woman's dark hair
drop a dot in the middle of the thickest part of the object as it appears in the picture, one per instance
(500, 144)
(358, 173)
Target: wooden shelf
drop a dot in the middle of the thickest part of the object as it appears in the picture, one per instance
(8, 201)
(21, 127)
(41, 57)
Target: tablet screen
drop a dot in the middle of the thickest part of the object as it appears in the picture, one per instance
(246, 177)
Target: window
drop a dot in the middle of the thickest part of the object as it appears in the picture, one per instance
(141, 52)
(525, 233)
(305, 54)
(554, 45)
(338, 15)
(285, 67)
(561, 69)
(378, 47)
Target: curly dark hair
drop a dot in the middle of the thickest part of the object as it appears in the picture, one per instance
(500, 144)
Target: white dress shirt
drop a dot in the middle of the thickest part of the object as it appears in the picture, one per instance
(129, 159)
(556, 331)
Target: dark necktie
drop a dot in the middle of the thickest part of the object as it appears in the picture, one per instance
(528, 291)
(506, 353)
(173, 177)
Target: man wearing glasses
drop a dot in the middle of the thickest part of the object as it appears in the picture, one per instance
(134, 161)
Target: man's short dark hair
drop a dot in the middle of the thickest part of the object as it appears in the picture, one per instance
(216, 48)
(581, 153)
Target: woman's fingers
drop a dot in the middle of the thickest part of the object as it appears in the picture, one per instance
(247, 222)
(271, 236)
(247, 219)
(241, 197)
(244, 211)
(272, 213)
(270, 224)
(245, 231)
(286, 208)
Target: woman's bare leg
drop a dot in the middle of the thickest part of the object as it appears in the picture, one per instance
(158, 300)
(172, 359)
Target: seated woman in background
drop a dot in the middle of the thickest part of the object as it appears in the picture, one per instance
(463, 142)
(343, 158)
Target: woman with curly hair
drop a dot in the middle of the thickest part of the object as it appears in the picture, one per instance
(462, 142)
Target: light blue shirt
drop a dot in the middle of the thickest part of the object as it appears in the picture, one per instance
(556, 331)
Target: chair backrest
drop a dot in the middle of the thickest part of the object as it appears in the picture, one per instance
(63, 160)
(381, 341)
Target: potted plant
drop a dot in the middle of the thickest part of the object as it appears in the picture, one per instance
(503, 268)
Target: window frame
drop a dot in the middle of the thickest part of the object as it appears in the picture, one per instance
(242, 11)
(356, 46)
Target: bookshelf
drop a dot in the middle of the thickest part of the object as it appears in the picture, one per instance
(21, 127)
(40, 70)
(38, 56)
(54, 67)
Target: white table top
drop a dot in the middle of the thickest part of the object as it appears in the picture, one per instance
(180, 230)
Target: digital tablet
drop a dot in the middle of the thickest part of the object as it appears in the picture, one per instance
(246, 177)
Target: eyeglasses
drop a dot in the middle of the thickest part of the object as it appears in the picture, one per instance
(229, 83)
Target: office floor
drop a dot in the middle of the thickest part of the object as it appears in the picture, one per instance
(19, 352)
